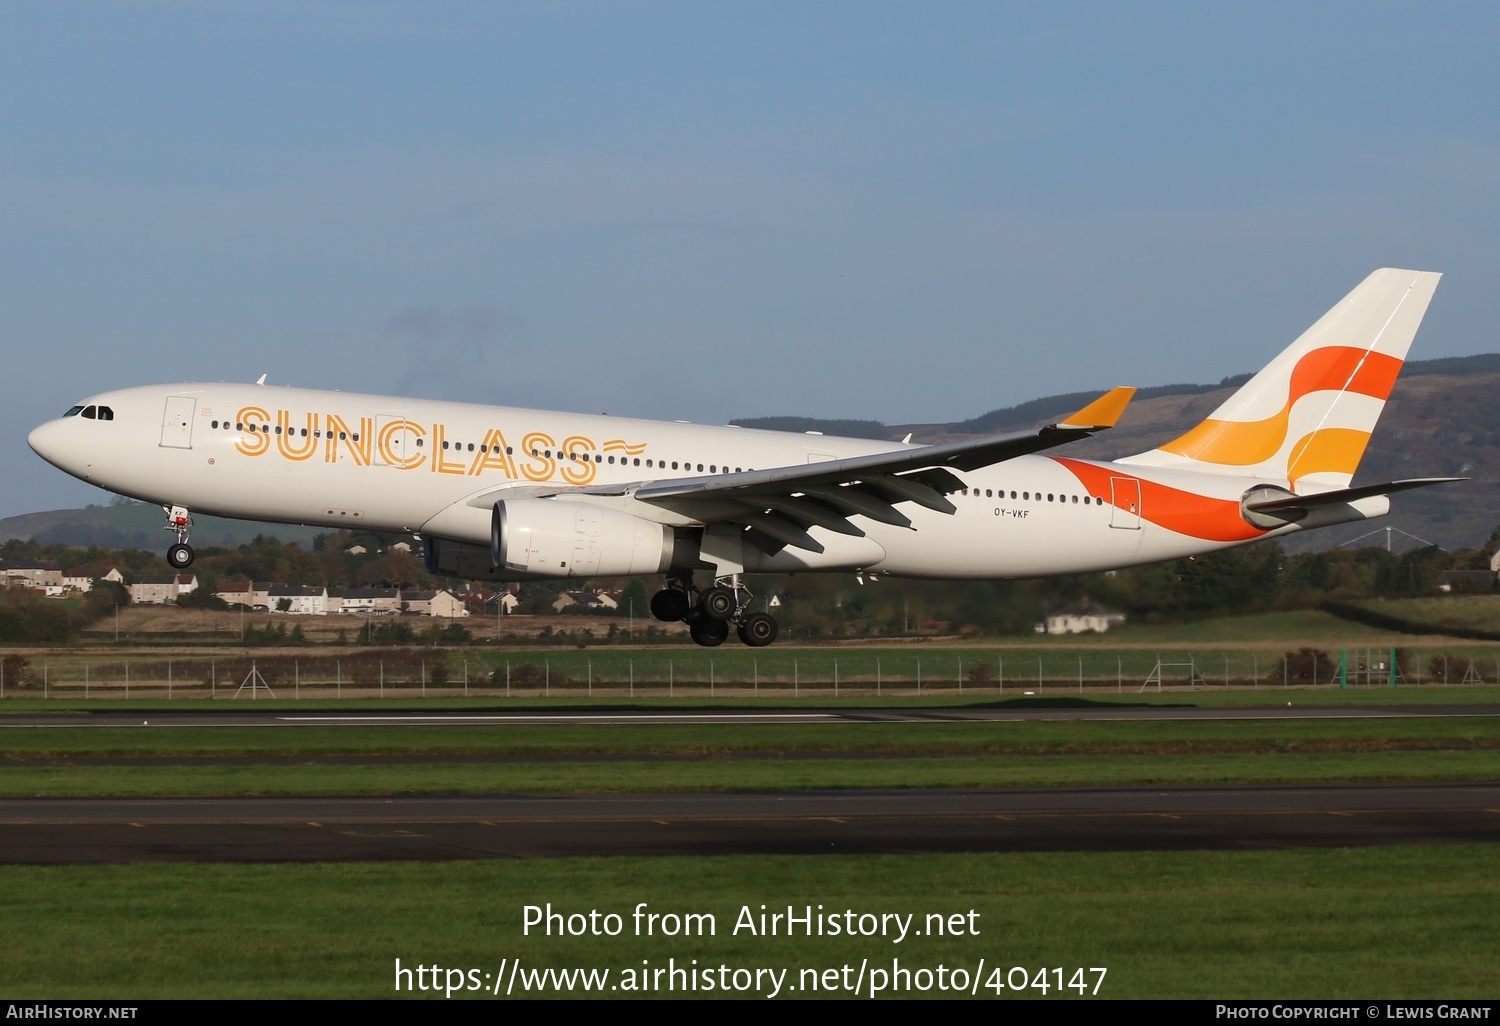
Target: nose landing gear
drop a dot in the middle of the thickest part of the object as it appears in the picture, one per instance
(180, 522)
(711, 612)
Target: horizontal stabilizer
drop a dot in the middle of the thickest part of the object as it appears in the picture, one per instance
(1345, 494)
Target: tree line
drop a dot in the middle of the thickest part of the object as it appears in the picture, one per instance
(1254, 578)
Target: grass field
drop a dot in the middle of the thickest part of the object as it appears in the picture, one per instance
(757, 756)
(1401, 921)
(1481, 612)
(1358, 924)
(777, 775)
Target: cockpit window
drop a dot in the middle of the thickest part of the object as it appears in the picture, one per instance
(105, 413)
(73, 411)
(90, 412)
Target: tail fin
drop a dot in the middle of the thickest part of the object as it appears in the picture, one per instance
(1306, 418)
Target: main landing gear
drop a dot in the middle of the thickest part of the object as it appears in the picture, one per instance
(180, 522)
(711, 612)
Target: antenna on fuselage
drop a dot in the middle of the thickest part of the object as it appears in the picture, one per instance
(261, 380)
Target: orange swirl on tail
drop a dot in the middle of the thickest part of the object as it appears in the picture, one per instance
(1248, 443)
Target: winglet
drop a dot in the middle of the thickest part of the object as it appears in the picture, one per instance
(1103, 412)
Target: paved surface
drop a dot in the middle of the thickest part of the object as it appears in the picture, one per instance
(523, 826)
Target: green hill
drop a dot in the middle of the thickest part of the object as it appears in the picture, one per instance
(137, 525)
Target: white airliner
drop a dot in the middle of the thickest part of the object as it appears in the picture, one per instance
(499, 494)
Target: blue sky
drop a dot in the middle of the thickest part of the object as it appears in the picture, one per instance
(910, 212)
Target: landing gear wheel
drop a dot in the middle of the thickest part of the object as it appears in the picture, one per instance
(708, 633)
(717, 604)
(670, 605)
(180, 556)
(758, 630)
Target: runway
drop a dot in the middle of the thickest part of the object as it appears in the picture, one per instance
(85, 830)
(1051, 709)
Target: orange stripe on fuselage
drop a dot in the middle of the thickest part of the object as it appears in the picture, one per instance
(1186, 513)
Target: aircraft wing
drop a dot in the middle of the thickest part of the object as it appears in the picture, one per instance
(780, 505)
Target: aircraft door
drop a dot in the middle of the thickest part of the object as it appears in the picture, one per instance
(1125, 497)
(177, 422)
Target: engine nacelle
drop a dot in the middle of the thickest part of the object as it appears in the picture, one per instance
(462, 559)
(558, 538)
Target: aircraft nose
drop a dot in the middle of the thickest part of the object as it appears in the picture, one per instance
(46, 441)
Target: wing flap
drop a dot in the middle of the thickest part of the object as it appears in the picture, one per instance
(810, 514)
(905, 489)
(782, 530)
(856, 501)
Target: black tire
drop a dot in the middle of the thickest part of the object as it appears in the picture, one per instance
(180, 556)
(758, 630)
(670, 605)
(717, 603)
(708, 633)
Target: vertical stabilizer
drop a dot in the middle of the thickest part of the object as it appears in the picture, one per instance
(1306, 418)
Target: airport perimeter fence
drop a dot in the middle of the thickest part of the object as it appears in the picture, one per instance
(799, 673)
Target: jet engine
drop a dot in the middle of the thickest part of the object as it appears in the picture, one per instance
(558, 538)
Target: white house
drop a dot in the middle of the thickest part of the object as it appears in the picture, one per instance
(32, 573)
(161, 589)
(368, 601)
(299, 600)
(82, 578)
(1082, 618)
(433, 603)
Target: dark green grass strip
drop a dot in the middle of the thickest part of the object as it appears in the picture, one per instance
(1364, 924)
(1038, 737)
(712, 774)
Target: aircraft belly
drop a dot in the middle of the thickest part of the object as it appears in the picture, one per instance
(990, 540)
(337, 495)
